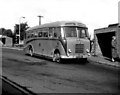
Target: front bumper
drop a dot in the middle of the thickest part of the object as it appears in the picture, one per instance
(74, 56)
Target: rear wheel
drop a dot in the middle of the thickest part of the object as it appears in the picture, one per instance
(30, 51)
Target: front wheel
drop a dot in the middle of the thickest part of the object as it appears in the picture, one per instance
(56, 57)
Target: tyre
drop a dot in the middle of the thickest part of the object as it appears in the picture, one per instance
(30, 51)
(56, 57)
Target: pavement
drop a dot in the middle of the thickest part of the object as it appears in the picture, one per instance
(93, 59)
(104, 60)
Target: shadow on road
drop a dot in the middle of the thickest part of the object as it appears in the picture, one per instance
(64, 61)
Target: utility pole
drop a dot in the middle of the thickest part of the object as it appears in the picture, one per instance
(40, 19)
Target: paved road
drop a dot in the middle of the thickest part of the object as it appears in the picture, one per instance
(43, 76)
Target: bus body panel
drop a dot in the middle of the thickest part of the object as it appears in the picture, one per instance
(47, 46)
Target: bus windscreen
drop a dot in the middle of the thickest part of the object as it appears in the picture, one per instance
(70, 31)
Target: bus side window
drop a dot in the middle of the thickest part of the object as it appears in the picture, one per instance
(40, 34)
(57, 32)
(27, 36)
(55, 35)
(45, 34)
(51, 32)
(36, 34)
(32, 35)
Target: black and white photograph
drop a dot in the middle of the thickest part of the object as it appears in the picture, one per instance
(59, 47)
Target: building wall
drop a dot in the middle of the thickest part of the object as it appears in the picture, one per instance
(96, 49)
(109, 31)
(8, 41)
(118, 41)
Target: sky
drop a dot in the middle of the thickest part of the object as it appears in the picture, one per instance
(94, 13)
(119, 12)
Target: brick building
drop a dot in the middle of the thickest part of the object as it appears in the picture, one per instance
(103, 38)
(6, 41)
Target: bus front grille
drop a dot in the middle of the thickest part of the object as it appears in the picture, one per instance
(79, 48)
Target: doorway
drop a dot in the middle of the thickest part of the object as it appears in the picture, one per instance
(104, 41)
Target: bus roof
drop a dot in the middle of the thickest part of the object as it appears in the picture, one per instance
(59, 23)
